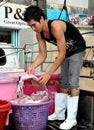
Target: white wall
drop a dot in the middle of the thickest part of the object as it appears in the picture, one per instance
(25, 37)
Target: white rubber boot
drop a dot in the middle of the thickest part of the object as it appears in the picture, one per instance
(72, 108)
(60, 107)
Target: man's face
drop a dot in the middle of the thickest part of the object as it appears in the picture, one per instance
(35, 25)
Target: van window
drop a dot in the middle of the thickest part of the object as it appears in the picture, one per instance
(5, 36)
(2, 57)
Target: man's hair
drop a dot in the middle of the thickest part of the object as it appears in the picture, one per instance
(33, 12)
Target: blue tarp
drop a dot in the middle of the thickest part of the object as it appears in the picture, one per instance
(54, 14)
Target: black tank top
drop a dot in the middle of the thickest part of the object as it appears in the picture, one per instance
(75, 43)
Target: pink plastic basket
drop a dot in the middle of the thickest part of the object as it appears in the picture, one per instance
(8, 87)
(51, 91)
(31, 116)
(52, 86)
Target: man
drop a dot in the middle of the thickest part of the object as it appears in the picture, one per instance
(71, 46)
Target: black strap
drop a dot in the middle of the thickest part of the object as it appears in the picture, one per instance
(64, 8)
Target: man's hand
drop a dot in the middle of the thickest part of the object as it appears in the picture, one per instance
(43, 79)
(31, 70)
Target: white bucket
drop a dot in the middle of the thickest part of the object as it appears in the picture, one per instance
(8, 56)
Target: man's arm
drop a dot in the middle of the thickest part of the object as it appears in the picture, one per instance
(58, 32)
(41, 56)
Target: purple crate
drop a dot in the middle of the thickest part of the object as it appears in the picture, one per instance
(31, 116)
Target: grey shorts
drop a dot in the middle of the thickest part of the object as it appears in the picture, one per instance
(70, 71)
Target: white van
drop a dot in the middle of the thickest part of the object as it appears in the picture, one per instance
(8, 57)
